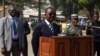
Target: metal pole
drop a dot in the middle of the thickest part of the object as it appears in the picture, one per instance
(3, 7)
(39, 12)
(73, 8)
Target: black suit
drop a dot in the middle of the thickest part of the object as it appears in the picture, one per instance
(96, 33)
(42, 29)
(26, 32)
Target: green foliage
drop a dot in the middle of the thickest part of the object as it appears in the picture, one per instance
(55, 3)
(67, 6)
(83, 1)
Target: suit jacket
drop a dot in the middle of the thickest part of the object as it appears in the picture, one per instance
(5, 33)
(26, 28)
(42, 29)
(94, 31)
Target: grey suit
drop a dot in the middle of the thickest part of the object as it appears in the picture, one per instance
(5, 33)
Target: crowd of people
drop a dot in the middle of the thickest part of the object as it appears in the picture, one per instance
(14, 30)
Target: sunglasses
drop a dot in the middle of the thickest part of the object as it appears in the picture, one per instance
(52, 14)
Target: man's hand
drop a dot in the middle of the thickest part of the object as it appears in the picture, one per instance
(3, 51)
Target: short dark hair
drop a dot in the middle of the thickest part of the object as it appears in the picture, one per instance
(49, 8)
(12, 8)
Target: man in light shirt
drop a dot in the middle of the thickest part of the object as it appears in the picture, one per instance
(11, 34)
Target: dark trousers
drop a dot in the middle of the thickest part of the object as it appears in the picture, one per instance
(97, 48)
(14, 49)
(25, 50)
(35, 47)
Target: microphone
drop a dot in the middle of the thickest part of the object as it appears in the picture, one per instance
(88, 26)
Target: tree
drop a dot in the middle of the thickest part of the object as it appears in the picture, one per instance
(90, 5)
(73, 6)
(55, 3)
(68, 6)
(19, 3)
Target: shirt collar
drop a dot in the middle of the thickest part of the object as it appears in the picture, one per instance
(10, 16)
(47, 22)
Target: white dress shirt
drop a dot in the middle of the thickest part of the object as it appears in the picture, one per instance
(49, 25)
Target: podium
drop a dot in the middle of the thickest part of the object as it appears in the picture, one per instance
(66, 46)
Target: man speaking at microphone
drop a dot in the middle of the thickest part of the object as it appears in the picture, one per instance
(45, 28)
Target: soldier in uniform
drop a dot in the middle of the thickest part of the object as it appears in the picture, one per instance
(73, 29)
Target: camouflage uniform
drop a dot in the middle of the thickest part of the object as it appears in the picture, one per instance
(73, 30)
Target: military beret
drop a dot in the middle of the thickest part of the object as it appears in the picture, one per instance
(74, 16)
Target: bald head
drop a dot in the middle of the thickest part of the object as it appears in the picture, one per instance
(50, 14)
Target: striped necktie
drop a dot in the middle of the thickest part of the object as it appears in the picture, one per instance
(51, 27)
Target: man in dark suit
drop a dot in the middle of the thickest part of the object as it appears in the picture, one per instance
(45, 28)
(26, 32)
(95, 32)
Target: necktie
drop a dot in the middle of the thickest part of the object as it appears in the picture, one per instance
(14, 27)
(50, 26)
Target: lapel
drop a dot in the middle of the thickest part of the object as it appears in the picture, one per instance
(18, 24)
(47, 27)
(8, 22)
(7, 26)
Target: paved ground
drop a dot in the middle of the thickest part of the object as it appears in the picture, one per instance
(30, 53)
